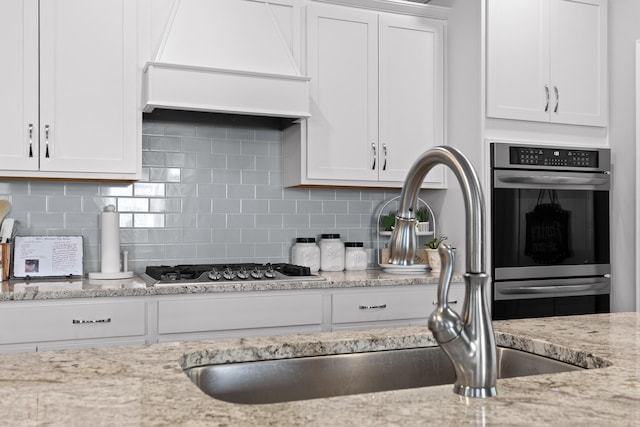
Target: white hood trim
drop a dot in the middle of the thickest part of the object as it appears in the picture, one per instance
(226, 56)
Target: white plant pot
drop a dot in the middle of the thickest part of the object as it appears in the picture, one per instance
(434, 260)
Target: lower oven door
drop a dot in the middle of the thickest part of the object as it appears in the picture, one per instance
(551, 288)
(550, 297)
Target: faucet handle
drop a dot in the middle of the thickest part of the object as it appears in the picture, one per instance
(444, 323)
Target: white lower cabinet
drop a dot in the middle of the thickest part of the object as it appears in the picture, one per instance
(396, 306)
(90, 322)
(203, 316)
(48, 325)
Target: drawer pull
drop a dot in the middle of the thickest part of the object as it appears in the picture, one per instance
(455, 301)
(372, 307)
(78, 322)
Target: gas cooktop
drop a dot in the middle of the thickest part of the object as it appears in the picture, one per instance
(226, 273)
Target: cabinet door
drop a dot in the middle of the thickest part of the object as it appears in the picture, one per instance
(518, 59)
(19, 84)
(578, 62)
(342, 61)
(411, 94)
(88, 92)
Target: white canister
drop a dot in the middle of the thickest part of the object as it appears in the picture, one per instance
(355, 257)
(306, 253)
(331, 252)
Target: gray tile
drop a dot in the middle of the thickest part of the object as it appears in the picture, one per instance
(235, 191)
(225, 236)
(196, 145)
(80, 189)
(296, 193)
(226, 206)
(134, 236)
(269, 164)
(226, 147)
(180, 190)
(213, 253)
(81, 220)
(254, 206)
(148, 220)
(361, 207)
(181, 160)
(28, 203)
(268, 135)
(196, 205)
(148, 189)
(64, 204)
(126, 220)
(269, 221)
(181, 220)
(241, 162)
(46, 188)
(348, 221)
(254, 235)
(131, 204)
(322, 220)
(241, 221)
(240, 250)
(197, 176)
(254, 148)
(181, 251)
(45, 220)
(163, 143)
(211, 161)
(179, 129)
(295, 221)
(152, 128)
(196, 235)
(309, 206)
(269, 192)
(153, 158)
(123, 190)
(264, 250)
(282, 206)
(215, 191)
(275, 149)
(285, 235)
(241, 134)
(322, 194)
(14, 188)
(165, 205)
(227, 177)
(211, 132)
(335, 207)
(255, 177)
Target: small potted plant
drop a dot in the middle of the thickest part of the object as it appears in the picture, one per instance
(422, 216)
(388, 221)
(432, 253)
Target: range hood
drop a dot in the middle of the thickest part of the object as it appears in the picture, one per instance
(226, 56)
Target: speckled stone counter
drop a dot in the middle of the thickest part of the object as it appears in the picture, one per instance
(142, 386)
(16, 290)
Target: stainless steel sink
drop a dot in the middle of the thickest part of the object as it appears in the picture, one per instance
(338, 375)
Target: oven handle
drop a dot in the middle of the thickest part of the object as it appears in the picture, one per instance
(554, 289)
(552, 180)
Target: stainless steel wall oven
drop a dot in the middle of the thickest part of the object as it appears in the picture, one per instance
(550, 230)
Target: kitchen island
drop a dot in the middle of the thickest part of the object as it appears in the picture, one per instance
(145, 385)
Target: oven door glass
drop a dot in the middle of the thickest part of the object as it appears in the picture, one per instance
(542, 227)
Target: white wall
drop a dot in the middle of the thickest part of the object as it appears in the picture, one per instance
(624, 30)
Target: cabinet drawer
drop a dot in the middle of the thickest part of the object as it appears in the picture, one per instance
(225, 313)
(394, 304)
(39, 322)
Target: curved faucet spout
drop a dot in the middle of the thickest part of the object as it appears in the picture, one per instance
(469, 339)
(403, 239)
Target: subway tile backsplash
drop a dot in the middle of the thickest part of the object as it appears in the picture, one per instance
(211, 193)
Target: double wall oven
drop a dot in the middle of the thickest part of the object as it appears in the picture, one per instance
(549, 230)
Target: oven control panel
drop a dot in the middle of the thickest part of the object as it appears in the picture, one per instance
(538, 156)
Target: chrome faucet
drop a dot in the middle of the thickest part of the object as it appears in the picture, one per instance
(469, 340)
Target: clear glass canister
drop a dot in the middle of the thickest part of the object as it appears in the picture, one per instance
(331, 252)
(306, 253)
(355, 257)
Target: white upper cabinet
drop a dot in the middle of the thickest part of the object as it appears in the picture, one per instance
(377, 103)
(547, 61)
(84, 121)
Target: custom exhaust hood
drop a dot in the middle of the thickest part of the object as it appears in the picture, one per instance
(227, 56)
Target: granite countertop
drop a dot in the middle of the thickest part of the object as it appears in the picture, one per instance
(40, 289)
(132, 386)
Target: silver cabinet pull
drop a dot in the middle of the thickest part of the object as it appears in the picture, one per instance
(80, 322)
(384, 149)
(375, 155)
(546, 91)
(372, 307)
(30, 139)
(46, 141)
(455, 301)
(555, 89)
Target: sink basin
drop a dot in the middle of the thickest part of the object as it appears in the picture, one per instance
(303, 378)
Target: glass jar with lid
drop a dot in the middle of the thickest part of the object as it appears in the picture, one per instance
(331, 252)
(306, 253)
(355, 257)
